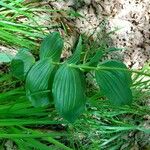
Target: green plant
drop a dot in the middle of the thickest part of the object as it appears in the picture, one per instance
(24, 124)
(103, 126)
(21, 24)
(64, 82)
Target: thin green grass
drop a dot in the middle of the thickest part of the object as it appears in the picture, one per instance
(26, 125)
(14, 31)
(21, 24)
(102, 126)
(108, 127)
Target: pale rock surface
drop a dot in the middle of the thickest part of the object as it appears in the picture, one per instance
(132, 17)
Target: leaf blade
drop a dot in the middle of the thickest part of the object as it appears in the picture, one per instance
(21, 63)
(38, 83)
(114, 84)
(117, 64)
(69, 95)
(75, 58)
(51, 47)
(5, 58)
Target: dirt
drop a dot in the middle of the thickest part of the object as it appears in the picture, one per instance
(132, 17)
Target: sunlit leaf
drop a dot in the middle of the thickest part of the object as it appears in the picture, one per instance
(5, 57)
(115, 84)
(21, 63)
(52, 46)
(69, 92)
(39, 81)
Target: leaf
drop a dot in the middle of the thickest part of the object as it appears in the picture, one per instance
(21, 63)
(112, 49)
(115, 84)
(95, 59)
(73, 13)
(75, 58)
(52, 47)
(117, 64)
(69, 92)
(5, 58)
(39, 81)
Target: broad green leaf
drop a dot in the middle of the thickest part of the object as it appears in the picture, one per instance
(5, 57)
(115, 84)
(69, 92)
(39, 81)
(75, 58)
(117, 64)
(21, 63)
(52, 46)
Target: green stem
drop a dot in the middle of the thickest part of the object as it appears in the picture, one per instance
(85, 67)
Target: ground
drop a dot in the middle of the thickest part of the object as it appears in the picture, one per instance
(131, 21)
(132, 17)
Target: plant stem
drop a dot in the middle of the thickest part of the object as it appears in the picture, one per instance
(86, 67)
(83, 67)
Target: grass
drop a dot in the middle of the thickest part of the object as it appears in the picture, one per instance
(20, 25)
(108, 127)
(23, 124)
(102, 126)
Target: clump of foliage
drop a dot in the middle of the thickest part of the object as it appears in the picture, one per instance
(49, 79)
